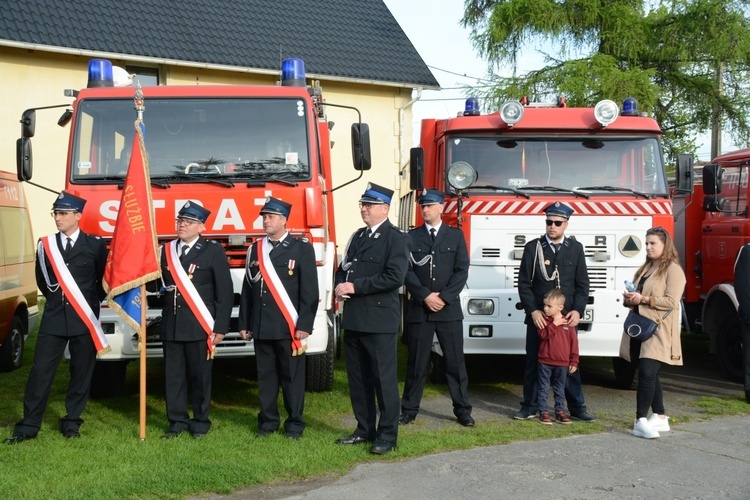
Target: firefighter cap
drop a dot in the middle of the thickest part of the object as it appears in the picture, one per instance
(431, 197)
(376, 195)
(192, 211)
(558, 209)
(276, 206)
(67, 202)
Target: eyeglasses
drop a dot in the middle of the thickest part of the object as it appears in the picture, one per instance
(367, 206)
(185, 222)
(557, 223)
(657, 229)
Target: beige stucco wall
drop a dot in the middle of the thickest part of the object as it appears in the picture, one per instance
(36, 79)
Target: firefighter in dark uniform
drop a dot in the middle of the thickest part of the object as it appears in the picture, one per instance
(279, 364)
(368, 279)
(437, 273)
(183, 334)
(85, 257)
(552, 261)
(742, 288)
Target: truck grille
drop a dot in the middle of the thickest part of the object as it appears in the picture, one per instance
(597, 278)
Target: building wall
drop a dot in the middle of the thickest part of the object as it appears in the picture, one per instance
(36, 79)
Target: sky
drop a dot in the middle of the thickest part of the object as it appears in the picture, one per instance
(434, 28)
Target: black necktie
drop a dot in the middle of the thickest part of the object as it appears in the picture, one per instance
(185, 249)
(432, 233)
(68, 246)
(274, 244)
(368, 232)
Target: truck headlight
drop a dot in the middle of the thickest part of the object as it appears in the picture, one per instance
(461, 175)
(481, 307)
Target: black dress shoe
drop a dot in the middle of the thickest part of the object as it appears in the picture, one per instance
(198, 435)
(18, 437)
(583, 416)
(293, 435)
(406, 419)
(466, 421)
(352, 439)
(170, 435)
(71, 434)
(381, 447)
(263, 433)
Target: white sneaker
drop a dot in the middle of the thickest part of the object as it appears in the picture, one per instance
(642, 429)
(659, 424)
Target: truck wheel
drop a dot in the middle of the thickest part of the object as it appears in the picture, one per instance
(11, 353)
(108, 379)
(729, 348)
(624, 373)
(319, 367)
(437, 368)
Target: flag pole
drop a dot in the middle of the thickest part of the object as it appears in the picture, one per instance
(142, 344)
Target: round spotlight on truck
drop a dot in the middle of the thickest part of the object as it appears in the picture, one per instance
(511, 112)
(461, 175)
(606, 112)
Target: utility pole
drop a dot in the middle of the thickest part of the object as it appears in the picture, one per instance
(716, 118)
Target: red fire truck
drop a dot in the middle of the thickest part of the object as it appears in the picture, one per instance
(711, 227)
(501, 170)
(226, 147)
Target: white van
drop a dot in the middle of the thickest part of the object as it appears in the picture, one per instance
(19, 312)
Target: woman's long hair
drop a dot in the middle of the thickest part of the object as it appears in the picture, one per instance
(668, 257)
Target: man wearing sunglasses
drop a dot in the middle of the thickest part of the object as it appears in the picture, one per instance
(552, 261)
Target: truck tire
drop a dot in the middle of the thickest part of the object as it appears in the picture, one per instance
(729, 348)
(108, 379)
(625, 372)
(11, 353)
(437, 368)
(319, 367)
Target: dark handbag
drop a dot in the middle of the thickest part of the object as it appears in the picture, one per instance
(640, 328)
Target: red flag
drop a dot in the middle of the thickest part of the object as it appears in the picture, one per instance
(132, 259)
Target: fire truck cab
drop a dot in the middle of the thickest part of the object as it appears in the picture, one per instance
(713, 225)
(227, 148)
(501, 170)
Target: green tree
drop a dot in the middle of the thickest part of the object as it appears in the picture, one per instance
(666, 54)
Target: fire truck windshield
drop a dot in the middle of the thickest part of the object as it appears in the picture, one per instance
(194, 140)
(601, 165)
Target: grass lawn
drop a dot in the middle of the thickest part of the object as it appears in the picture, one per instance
(109, 461)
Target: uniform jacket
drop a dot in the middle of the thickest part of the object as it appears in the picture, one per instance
(558, 344)
(377, 267)
(571, 265)
(86, 263)
(446, 272)
(212, 280)
(742, 282)
(665, 292)
(259, 312)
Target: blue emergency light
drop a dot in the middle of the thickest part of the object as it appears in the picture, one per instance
(100, 73)
(471, 108)
(293, 72)
(629, 107)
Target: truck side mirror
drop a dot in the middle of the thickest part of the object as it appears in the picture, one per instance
(23, 159)
(416, 169)
(713, 177)
(361, 146)
(28, 123)
(685, 174)
(715, 204)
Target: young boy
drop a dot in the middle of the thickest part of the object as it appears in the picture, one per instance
(558, 355)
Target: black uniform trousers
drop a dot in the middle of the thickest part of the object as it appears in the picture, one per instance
(276, 366)
(181, 358)
(573, 387)
(745, 331)
(371, 368)
(49, 352)
(419, 339)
